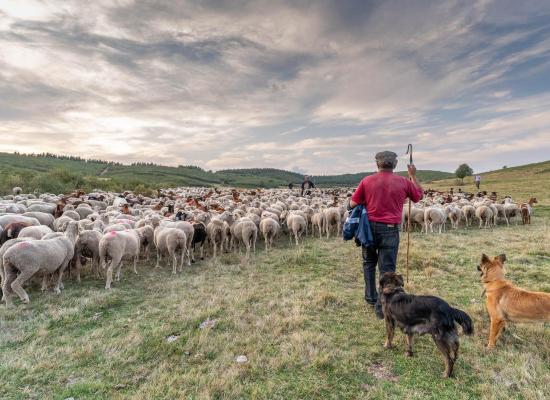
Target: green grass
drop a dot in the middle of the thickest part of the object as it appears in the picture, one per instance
(297, 314)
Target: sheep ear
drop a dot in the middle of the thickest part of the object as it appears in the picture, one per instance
(484, 258)
(501, 257)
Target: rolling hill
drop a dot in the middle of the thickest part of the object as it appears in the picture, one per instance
(53, 173)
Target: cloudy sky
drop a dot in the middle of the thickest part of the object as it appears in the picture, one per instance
(314, 86)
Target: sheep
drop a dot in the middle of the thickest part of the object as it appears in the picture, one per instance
(87, 245)
(199, 237)
(84, 210)
(318, 221)
(187, 228)
(216, 234)
(169, 240)
(71, 214)
(468, 212)
(146, 234)
(500, 213)
(270, 229)
(333, 218)
(3, 249)
(10, 218)
(17, 191)
(116, 227)
(511, 210)
(297, 225)
(454, 214)
(115, 246)
(46, 208)
(60, 224)
(249, 235)
(42, 217)
(32, 256)
(484, 214)
(11, 231)
(434, 216)
(35, 232)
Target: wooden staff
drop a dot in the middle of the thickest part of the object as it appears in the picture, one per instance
(410, 153)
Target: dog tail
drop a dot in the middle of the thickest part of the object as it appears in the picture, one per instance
(464, 320)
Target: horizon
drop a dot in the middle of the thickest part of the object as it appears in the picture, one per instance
(315, 89)
(82, 159)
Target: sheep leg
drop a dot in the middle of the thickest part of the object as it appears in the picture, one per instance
(78, 266)
(182, 259)
(44, 286)
(135, 264)
(158, 259)
(118, 271)
(17, 284)
(10, 274)
(109, 275)
(58, 284)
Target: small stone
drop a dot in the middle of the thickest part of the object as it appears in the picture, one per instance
(208, 323)
(96, 316)
(172, 338)
(241, 359)
(120, 386)
(69, 398)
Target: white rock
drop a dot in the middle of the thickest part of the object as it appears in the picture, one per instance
(241, 359)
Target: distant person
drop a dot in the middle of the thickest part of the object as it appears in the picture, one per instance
(307, 185)
(478, 180)
(384, 194)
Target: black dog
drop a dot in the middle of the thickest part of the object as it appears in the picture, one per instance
(422, 314)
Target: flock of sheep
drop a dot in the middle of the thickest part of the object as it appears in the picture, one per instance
(47, 235)
(434, 211)
(43, 236)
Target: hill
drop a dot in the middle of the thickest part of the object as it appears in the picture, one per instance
(53, 173)
(521, 182)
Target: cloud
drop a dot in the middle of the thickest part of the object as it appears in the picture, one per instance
(321, 85)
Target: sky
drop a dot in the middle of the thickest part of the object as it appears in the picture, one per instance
(311, 86)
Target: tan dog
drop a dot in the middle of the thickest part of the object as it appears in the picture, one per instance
(506, 302)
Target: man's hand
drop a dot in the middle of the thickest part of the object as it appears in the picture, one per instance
(411, 170)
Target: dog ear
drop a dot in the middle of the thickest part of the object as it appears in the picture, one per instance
(501, 257)
(400, 280)
(484, 258)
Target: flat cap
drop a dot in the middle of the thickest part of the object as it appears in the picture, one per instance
(386, 157)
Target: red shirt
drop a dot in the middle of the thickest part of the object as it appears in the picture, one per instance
(384, 194)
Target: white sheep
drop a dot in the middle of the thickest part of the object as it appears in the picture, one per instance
(87, 245)
(333, 219)
(434, 216)
(318, 221)
(485, 216)
(270, 229)
(116, 246)
(169, 241)
(297, 225)
(216, 234)
(34, 232)
(29, 257)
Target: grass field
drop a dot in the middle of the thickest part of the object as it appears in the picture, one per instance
(298, 316)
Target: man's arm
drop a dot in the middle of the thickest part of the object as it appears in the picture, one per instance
(416, 193)
(358, 196)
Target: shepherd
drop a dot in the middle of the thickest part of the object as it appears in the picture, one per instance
(384, 194)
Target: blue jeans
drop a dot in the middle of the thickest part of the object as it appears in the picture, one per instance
(383, 253)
